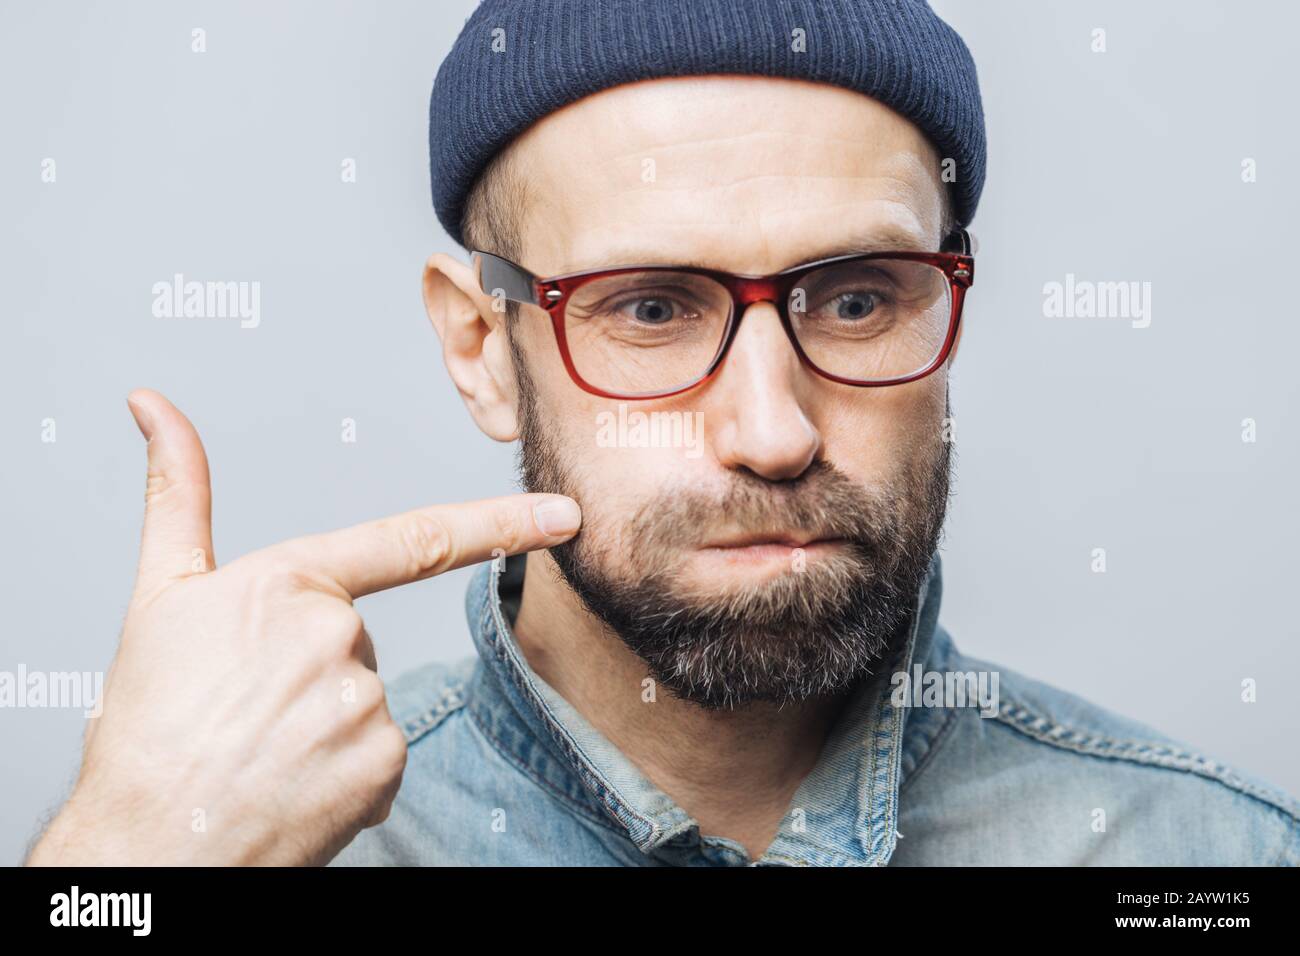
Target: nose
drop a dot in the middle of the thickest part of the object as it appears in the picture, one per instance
(762, 397)
(757, 290)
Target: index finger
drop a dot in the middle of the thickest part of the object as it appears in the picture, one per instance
(430, 541)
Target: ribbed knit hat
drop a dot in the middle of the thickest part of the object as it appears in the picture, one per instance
(515, 61)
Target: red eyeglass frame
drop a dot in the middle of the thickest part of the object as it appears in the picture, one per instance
(499, 276)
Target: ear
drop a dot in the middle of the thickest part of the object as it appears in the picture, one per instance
(474, 345)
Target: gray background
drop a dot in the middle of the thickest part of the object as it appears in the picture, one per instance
(1072, 433)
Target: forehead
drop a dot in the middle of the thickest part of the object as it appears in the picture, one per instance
(747, 174)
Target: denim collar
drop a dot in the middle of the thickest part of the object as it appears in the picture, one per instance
(844, 813)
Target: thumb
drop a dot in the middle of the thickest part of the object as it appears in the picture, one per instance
(177, 538)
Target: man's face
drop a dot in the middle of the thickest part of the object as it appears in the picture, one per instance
(775, 553)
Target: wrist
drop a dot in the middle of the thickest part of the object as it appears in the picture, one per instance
(89, 831)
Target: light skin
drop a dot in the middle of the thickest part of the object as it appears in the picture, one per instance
(752, 176)
(229, 694)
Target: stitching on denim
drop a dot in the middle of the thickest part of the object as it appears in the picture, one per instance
(885, 765)
(604, 791)
(819, 854)
(452, 700)
(940, 736)
(877, 741)
(883, 838)
(483, 618)
(510, 758)
(936, 743)
(1034, 725)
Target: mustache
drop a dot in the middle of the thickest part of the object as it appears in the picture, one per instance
(823, 502)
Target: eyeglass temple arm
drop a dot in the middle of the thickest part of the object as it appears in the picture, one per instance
(960, 240)
(497, 276)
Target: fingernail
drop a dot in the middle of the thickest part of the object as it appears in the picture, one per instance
(558, 516)
(142, 419)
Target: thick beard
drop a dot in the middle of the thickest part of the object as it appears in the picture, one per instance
(804, 634)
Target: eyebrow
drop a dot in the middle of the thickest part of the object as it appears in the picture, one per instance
(866, 242)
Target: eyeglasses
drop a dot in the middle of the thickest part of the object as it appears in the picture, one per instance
(641, 332)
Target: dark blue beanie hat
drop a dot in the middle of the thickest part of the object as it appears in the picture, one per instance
(553, 52)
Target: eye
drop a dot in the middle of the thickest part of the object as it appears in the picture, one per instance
(855, 305)
(653, 311)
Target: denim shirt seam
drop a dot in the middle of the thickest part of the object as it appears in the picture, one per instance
(935, 745)
(505, 753)
(423, 723)
(940, 737)
(601, 788)
(882, 821)
(886, 760)
(1034, 725)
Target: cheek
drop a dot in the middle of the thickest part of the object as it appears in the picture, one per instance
(535, 339)
(617, 455)
(623, 457)
(874, 435)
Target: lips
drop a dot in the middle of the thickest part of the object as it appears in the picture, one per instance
(782, 540)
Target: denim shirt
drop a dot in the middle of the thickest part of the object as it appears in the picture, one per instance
(502, 770)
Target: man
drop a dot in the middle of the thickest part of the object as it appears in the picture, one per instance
(743, 222)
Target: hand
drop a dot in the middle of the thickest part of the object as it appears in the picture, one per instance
(243, 721)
